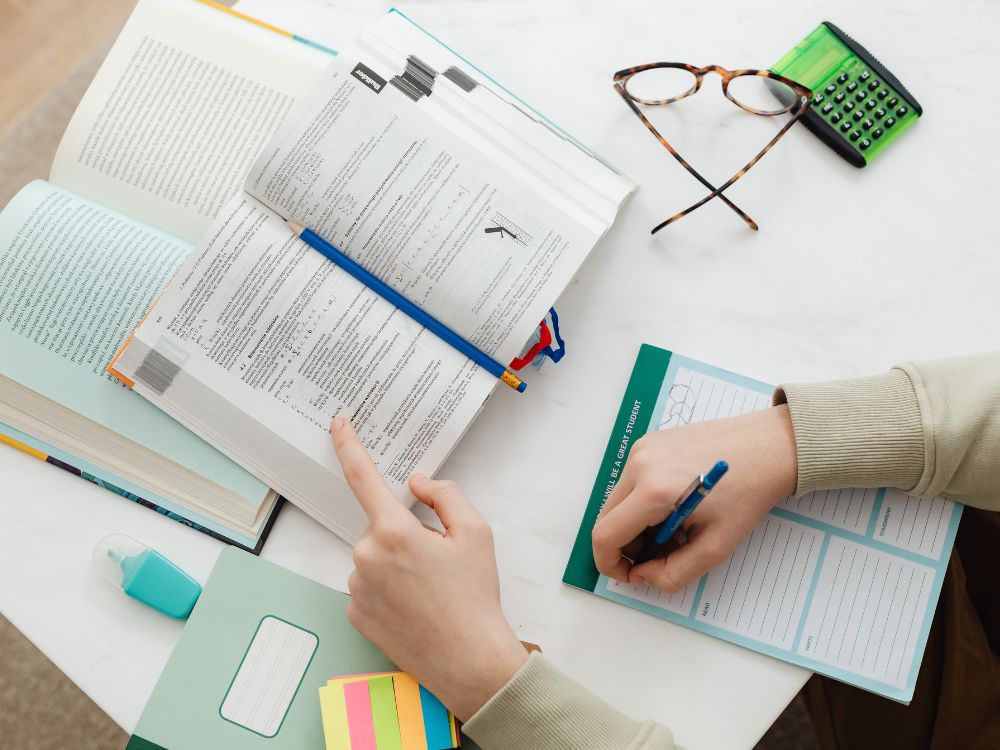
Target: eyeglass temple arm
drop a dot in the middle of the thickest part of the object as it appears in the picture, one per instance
(717, 192)
(743, 215)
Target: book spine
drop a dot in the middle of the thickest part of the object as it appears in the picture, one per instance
(133, 497)
(633, 419)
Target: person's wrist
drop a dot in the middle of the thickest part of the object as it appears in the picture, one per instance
(481, 673)
(781, 446)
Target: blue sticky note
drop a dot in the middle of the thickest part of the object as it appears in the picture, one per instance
(436, 724)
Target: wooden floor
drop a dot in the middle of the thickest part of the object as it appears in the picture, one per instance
(43, 41)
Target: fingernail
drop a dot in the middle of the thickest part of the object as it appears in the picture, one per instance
(338, 423)
(419, 478)
(636, 579)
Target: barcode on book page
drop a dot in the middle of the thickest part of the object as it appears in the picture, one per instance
(160, 366)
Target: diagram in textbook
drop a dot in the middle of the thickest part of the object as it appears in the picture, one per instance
(504, 227)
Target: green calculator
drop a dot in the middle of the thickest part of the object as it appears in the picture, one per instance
(858, 107)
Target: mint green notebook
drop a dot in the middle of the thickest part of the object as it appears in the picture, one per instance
(247, 668)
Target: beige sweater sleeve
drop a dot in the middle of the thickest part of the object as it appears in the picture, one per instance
(928, 428)
(542, 709)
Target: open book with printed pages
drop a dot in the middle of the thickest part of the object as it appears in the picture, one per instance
(432, 177)
(160, 142)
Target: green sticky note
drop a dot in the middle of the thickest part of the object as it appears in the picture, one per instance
(383, 697)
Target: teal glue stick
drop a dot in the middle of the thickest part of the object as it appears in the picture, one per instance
(146, 575)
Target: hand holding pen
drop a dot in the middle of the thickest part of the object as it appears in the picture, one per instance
(760, 450)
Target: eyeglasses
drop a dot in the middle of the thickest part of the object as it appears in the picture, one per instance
(759, 92)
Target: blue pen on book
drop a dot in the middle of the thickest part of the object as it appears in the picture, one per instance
(386, 292)
(656, 541)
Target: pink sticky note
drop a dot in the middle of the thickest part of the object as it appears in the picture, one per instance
(359, 716)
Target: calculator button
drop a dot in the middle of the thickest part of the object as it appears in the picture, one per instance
(849, 106)
(845, 126)
(872, 85)
(840, 97)
(851, 87)
(842, 78)
(831, 88)
(877, 133)
(855, 135)
(837, 117)
(879, 113)
(867, 124)
(889, 122)
(860, 96)
(892, 102)
(858, 115)
(871, 104)
(827, 108)
(865, 144)
(864, 76)
(901, 111)
(817, 99)
(883, 93)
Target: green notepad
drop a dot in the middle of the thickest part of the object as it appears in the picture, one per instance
(842, 582)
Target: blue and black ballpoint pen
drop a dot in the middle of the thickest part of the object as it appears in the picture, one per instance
(655, 541)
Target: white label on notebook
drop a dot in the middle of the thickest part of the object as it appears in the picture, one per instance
(849, 509)
(761, 590)
(913, 523)
(867, 611)
(269, 676)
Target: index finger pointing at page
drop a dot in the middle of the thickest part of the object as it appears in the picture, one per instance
(361, 473)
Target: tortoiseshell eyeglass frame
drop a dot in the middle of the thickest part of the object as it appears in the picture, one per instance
(796, 106)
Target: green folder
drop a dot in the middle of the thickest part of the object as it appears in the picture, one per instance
(246, 670)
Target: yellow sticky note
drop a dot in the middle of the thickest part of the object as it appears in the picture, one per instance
(334, 711)
(409, 712)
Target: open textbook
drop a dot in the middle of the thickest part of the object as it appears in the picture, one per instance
(842, 582)
(410, 161)
(160, 142)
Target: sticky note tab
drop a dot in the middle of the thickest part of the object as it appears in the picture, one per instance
(409, 712)
(359, 716)
(383, 700)
(334, 712)
(436, 724)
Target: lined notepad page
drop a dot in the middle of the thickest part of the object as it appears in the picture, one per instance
(843, 582)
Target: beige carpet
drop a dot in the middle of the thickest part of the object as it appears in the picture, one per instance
(42, 710)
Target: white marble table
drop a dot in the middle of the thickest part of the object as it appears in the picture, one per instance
(850, 272)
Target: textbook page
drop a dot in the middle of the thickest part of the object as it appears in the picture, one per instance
(467, 101)
(259, 341)
(368, 169)
(178, 111)
(842, 582)
(75, 279)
